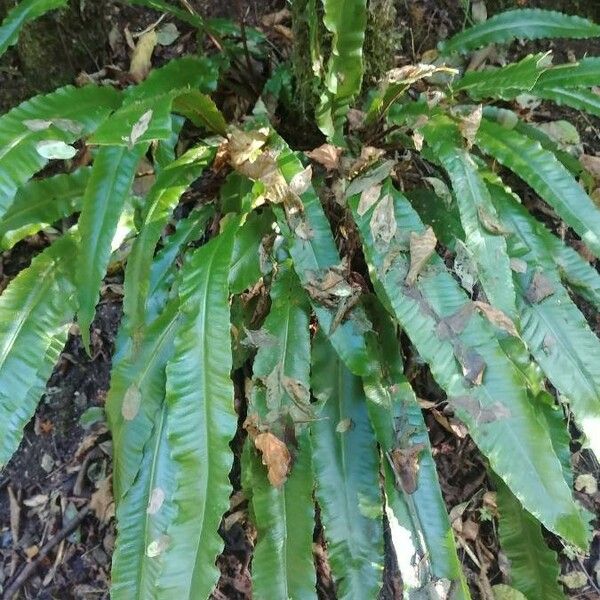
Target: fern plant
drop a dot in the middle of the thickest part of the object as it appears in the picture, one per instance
(314, 294)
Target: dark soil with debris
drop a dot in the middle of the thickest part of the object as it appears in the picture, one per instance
(64, 463)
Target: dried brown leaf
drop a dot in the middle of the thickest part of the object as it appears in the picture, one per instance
(368, 197)
(383, 222)
(327, 155)
(102, 501)
(497, 318)
(591, 164)
(422, 247)
(469, 125)
(541, 287)
(141, 59)
(405, 462)
(275, 456)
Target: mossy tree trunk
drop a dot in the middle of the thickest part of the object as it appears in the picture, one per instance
(52, 50)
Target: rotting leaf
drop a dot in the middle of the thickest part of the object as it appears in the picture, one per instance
(158, 546)
(368, 198)
(405, 463)
(246, 146)
(383, 222)
(301, 181)
(586, 483)
(327, 155)
(167, 34)
(139, 129)
(465, 266)
(369, 155)
(469, 125)
(55, 150)
(453, 325)
(472, 363)
(591, 164)
(481, 415)
(541, 287)
(258, 338)
(497, 317)
(131, 402)
(141, 59)
(299, 394)
(102, 501)
(157, 498)
(344, 425)
(440, 188)
(422, 247)
(275, 456)
(490, 222)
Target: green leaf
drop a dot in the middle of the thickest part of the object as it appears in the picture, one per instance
(283, 565)
(483, 386)
(246, 263)
(36, 310)
(534, 568)
(40, 203)
(504, 82)
(66, 115)
(144, 515)
(546, 175)
(477, 214)
(318, 254)
(112, 175)
(346, 20)
(346, 466)
(579, 98)
(146, 111)
(419, 525)
(22, 13)
(583, 73)
(201, 111)
(526, 24)
(162, 198)
(201, 423)
(137, 390)
(554, 329)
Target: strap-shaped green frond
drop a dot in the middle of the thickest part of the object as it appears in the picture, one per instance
(107, 190)
(201, 422)
(420, 529)
(584, 73)
(505, 82)
(534, 567)
(166, 7)
(144, 515)
(64, 115)
(41, 202)
(579, 98)
(546, 175)
(492, 401)
(36, 311)
(23, 12)
(346, 468)
(160, 201)
(283, 565)
(477, 214)
(525, 24)
(346, 20)
(554, 329)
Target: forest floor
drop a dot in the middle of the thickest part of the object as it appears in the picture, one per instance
(63, 466)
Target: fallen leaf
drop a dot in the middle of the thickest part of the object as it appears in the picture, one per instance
(490, 222)
(469, 125)
(422, 247)
(369, 155)
(15, 514)
(465, 266)
(383, 222)
(586, 483)
(139, 128)
(158, 546)
(574, 580)
(368, 198)
(157, 498)
(344, 425)
(454, 324)
(418, 138)
(301, 181)
(497, 318)
(518, 265)
(591, 164)
(55, 150)
(440, 188)
(275, 456)
(541, 287)
(131, 402)
(102, 501)
(167, 34)
(274, 18)
(480, 414)
(405, 463)
(298, 393)
(246, 146)
(141, 59)
(479, 11)
(327, 155)
(472, 364)
(505, 592)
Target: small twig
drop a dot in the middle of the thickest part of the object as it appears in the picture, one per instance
(29, 569)
(242, 18)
